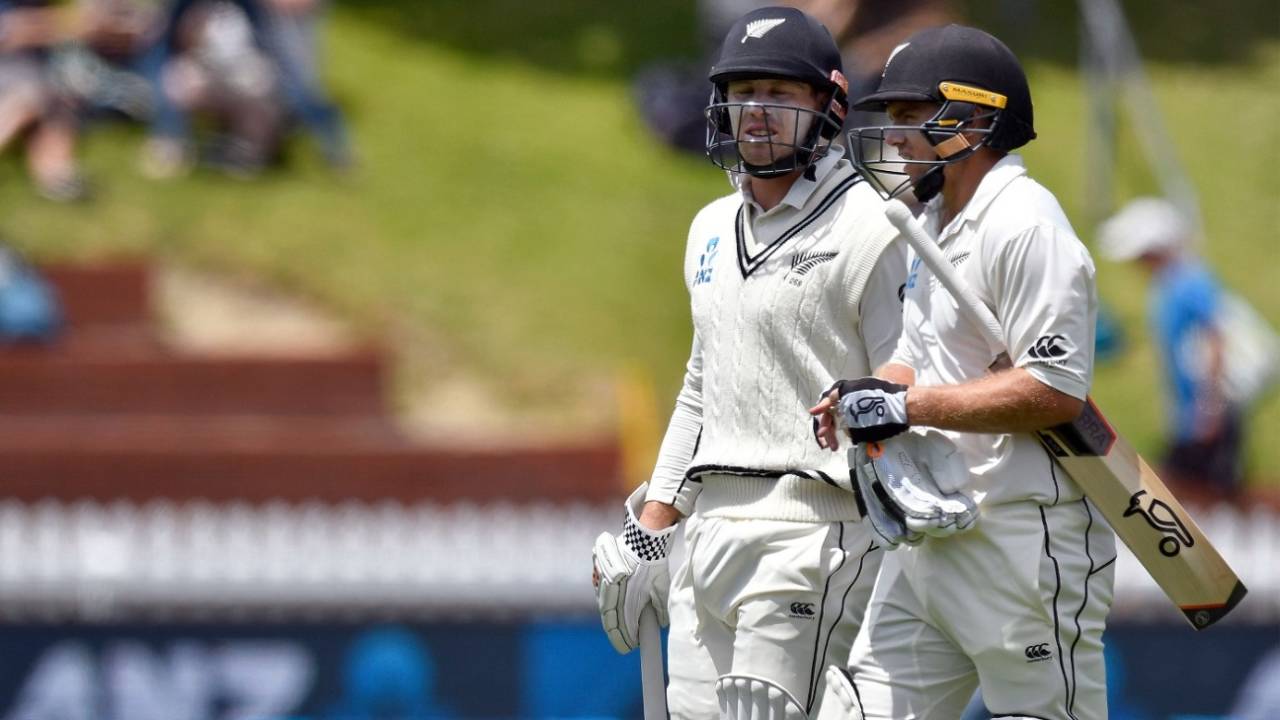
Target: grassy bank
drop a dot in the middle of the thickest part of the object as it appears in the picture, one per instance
(512, 225)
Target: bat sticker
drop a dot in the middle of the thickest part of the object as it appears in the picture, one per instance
(1160, 516)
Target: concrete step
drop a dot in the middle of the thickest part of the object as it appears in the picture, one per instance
(110, 294)
(63, 381)
(306, 464)
(34, 434)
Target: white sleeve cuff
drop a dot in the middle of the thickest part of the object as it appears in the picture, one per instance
(1059, 378)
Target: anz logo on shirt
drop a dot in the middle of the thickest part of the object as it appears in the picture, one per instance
(705, 261)
(911, 277)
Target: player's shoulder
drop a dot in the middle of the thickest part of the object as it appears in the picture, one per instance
(716, 217)
(864, 196)
(719, 209)
(1025, 206)
(861, 207)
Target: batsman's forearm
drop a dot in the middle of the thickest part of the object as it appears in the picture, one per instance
(659, 515)
(1005, 402)
(893, 372)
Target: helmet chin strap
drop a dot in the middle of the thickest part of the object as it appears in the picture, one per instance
(787, 165)
(778, 168)
(955, 148)
(929, 184)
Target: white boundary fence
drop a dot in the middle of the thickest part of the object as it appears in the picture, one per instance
(100, 561)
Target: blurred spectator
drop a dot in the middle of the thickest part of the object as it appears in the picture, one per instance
(33, 109)
(249, 66)
(1207, 383)
(211, 62)
(101, 70)
(292, 37)
(29, 309)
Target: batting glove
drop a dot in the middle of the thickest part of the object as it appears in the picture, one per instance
(899, 480)
(871, 409)
(887, 521)
(633, 572)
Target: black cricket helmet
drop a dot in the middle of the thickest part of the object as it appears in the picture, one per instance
(776, 43)
(973, 77)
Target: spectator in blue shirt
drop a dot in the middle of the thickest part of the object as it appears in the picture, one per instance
(1204, 431)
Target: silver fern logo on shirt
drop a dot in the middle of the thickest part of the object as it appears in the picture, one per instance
(803, 262)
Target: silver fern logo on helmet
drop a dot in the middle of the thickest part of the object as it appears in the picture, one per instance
(757, 28)
(892, 55)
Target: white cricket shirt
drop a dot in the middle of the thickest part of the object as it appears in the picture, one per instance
(1012, 244)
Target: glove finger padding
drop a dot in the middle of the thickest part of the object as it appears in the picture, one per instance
(947, 474)
(633, 571)
(900, 473)
(886, 519)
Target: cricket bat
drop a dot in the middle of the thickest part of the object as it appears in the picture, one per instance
(653, 684)
(1133, 499)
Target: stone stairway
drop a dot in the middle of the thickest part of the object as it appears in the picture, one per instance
(110, 410)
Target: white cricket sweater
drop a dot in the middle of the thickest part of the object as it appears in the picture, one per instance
(784, 303)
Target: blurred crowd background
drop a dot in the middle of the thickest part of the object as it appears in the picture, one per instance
(217, 84)
(333, 332)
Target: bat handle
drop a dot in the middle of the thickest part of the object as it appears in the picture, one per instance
(652, 680)
(926, 248)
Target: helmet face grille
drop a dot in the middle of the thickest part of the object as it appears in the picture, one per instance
(950, 133)
(781, 43)
(795, 137)
(879, 163)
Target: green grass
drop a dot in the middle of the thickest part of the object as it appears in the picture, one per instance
(513, 222)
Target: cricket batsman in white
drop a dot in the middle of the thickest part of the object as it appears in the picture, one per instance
(794, 281)
(1018, 603)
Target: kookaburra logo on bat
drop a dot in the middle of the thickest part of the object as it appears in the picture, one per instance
(1160, 516)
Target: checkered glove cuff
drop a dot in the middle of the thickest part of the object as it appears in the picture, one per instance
(648, 545)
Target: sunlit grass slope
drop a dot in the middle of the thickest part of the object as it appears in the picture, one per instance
(513, 225)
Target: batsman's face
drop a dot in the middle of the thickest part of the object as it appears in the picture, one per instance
(911, 144)
(769, 123)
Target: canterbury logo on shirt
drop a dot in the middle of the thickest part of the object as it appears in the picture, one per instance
(802, 610)
(1038, 652)
(1048, 348)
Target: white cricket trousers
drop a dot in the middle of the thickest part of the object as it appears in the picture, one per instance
(777, 600)
(1018, 604)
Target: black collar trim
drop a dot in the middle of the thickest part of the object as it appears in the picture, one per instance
(748, 264)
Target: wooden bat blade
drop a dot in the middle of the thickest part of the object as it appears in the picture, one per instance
(652, 682)
(1146, 516)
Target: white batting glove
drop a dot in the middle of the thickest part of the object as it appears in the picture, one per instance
(887, 521)
(633, 572)
(899, 481)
